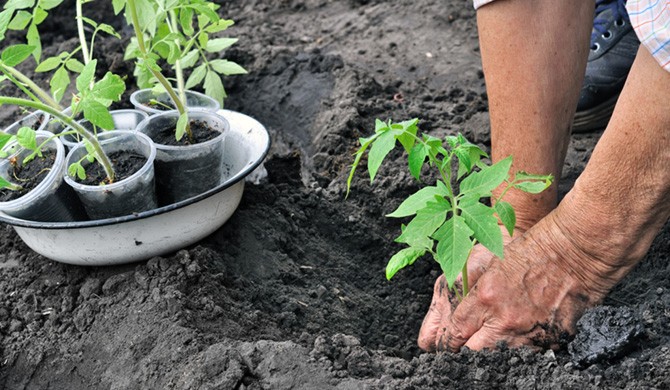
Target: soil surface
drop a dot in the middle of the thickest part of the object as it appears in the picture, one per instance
(290, 293)
(200, 130)
(125, 164)
(28, 176)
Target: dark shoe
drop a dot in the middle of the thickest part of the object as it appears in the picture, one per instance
(613, 49)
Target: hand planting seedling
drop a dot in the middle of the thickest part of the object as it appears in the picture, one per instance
(448, 220)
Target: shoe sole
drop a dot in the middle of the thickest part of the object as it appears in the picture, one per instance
(595, 118)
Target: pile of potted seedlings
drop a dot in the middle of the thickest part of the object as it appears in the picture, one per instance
(85, 162)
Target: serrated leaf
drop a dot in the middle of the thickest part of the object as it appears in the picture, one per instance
(118, 5)
(49, 64)
(521, 175)
(219, 26)
(484, 224)
(39, 15)
(146, 15)
(379, 150)
(86, 77)
(190, 58)
(532, 187)
(33, 38)
(214, 86)
(380, 126)
(486, 180)
(16, 54)
(181, 126)
(408, 137)
(205, 11)
(109, 87)
(19, 4)
(5, 18)
(59, 83)
(218, 44)
(20, 20)
(74, 65)
(106, 28)
(417, 201)
(97, 114)
(417, 156)
(426, 222)
(453, 247)
(506, 214)
(227, 68)
(203, 38)
(186, 21)
(49, 4)
(402, 259)
(196, 76)
(365, 143)
(27, 138)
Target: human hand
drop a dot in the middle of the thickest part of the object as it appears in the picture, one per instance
(444, 301)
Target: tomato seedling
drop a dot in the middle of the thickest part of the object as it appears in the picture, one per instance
(450, 217)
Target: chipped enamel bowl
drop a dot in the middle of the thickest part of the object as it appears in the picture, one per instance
(162, 230)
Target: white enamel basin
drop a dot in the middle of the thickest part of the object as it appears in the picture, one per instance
(159, 231)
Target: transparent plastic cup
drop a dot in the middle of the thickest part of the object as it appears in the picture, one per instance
(186, 171)
(36, 120)
(52, 200)
(123, 120)
(194, 100)
(125, 197)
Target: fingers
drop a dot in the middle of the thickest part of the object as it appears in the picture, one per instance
(440, 308)
(466, 320)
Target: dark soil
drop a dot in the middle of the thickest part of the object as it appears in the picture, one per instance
(28, 176)
(200, 130)
(124, 163)
(290, 293)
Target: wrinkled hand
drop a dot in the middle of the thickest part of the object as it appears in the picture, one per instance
(534, 297)
(444, 301)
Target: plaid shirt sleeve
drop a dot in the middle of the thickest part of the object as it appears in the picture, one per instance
(651, 21)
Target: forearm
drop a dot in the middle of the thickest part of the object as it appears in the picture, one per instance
(622, 199)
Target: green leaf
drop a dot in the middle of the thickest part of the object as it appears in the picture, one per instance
(186, 21)
(90, 22)
(196, 76)
(417, 201)
(190, 59)
(39, 15)
(27, 138)
(5, 18)
(417, 156)
(365, 143)
(506, 214)
(16, 54)
(426, 222)
(33, 38)
(109, 87)
(4, 138)
(106, 28)
(118, 5)
(532, 187)
(453, 247)
(97, 114)
(486, 180)
(21, 20)
(219, 44)
(85, 79)
(74, 65)
(484, 224)
(59, 83)
(49, 4)
(205, 11)
(80, 171)
(214, 86)
(402, 259)
(181, 126)
(521, 175)
(5, 184)
(49, 64)
(227, 68)
(147, 16)
(19, 4)
(219, 26)
(379, 150)
(380, 126)
(408, 137)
